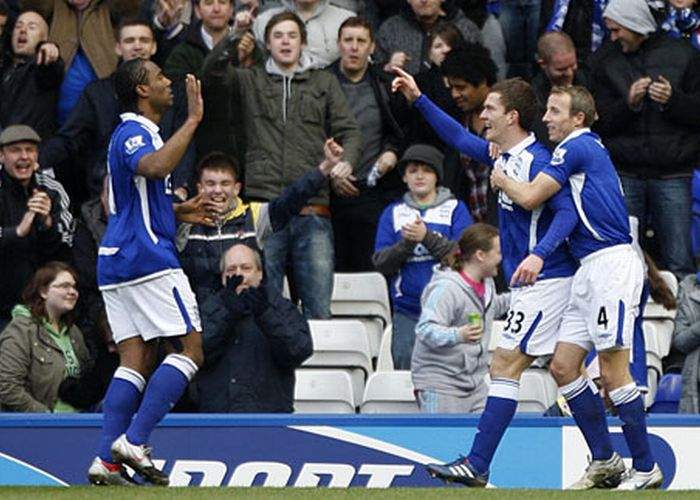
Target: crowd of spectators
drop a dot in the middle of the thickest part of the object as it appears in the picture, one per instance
(279, 80)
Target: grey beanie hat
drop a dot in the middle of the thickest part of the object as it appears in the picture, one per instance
(631, 14)
(424, 153)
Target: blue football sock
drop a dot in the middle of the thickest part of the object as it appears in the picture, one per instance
(630, 408)
(120, 403)
(164, 390)
(589, 412)
(497, 415)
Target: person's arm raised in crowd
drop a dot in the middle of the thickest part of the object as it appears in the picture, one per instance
(162, 162)
(274, 215)
(450, 130)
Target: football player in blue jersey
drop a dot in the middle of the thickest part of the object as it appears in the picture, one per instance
(526, 235)
(146, 294)
(605, 293)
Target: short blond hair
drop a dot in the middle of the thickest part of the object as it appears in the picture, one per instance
(581, 102)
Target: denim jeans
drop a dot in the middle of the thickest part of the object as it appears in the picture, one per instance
(306, 245)
(520, 20)
(402, 338)
(666, 203)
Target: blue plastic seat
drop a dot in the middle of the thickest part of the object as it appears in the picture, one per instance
(668, 394)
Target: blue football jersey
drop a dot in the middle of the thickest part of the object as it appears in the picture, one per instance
(139, 242)
(521, 229)
(582, 161)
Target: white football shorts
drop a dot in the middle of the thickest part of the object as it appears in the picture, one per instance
(604, 300)
(532, 322)
(164, 306)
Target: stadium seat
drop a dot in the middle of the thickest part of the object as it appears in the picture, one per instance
(671, 281)
(538, 391)
(496, 332)
(668, 394)
(341, 343)
(389, 392)
(657, 311)
(363, 296)
(323, 391)
(385, 362)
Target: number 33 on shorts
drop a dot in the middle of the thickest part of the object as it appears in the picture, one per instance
(514, 321)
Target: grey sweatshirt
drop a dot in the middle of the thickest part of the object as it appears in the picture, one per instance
(442, 361)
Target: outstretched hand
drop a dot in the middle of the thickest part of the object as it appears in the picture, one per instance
(195, 103)
(405, 84)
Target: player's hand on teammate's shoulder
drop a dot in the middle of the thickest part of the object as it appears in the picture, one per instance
(195, 103)
(528, 271)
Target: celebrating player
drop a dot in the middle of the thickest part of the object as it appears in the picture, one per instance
(146, 294)
(534, 237)
(605, 292)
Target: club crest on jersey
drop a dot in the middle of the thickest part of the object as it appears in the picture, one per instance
(133, 143)
(558, 156)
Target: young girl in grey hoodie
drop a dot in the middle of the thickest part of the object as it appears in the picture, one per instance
(450, 356)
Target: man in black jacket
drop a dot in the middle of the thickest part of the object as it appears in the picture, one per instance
(77, 151)
(31, 75)
(357, 206)
(252, 342)
(647, 91)
(35, 224)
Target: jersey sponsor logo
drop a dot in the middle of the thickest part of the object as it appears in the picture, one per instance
(133, 144)
(558, 156)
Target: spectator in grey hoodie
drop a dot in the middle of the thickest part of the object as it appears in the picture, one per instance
(450, 356)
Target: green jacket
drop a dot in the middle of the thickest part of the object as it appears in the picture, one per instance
(32, 365)
(287, 118)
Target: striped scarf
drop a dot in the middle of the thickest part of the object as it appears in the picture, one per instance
(683, 23)
(598, 31)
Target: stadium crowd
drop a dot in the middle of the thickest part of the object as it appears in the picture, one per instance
(278, 80)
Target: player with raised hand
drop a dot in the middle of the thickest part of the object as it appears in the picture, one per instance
(531, 235)
(605, 292)
(146, 294)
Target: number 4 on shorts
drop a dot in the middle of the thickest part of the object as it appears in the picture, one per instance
(603, 318)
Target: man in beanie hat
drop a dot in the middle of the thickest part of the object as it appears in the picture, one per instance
(35, 224)
(413, 235)
(647, 91)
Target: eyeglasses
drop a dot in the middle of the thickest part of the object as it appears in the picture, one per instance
(66, 286)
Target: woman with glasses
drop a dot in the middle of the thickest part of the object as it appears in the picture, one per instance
(41, 346)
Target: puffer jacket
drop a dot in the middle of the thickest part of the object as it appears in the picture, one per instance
(656, 140)
(288, 118)
(441, 360)
(32, 365)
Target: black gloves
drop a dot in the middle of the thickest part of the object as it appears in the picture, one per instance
(256, 299)
(252, 300)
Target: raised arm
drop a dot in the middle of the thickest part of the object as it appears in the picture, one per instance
(160, 163)
(450, 130)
